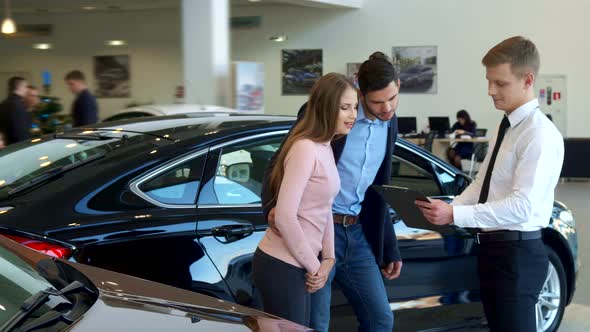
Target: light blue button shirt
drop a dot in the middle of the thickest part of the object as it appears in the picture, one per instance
(358, 165)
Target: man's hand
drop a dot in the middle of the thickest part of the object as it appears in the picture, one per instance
(436, 211)
(315, 282)
(392, 270)
(271, 222)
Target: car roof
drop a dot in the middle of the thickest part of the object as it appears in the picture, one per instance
(183, 126)
(172, 109)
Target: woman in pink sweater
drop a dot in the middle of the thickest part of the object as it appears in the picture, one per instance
(304, 182)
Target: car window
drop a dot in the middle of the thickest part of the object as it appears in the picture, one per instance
(177, 185)
(240, 172)
(413, 173)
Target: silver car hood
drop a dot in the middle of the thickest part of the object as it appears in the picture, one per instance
(127, 303)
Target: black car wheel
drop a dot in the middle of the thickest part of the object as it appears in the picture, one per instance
(551, 304)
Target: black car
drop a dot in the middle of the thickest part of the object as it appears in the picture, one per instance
(177, 200)
(42, 293)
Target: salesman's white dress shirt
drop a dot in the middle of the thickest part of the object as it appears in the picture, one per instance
(523, 180)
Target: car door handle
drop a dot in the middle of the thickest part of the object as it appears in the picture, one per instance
(233, 230)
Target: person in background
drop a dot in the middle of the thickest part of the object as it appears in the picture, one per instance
(304, 182)
(15, 121)
(32, 99)
(84, 108)
(462, 150)
(32, 103)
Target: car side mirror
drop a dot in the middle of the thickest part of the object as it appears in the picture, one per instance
(239, 172)
(395, 218)
(461, 182)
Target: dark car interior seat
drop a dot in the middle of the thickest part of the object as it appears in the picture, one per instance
(260, 159)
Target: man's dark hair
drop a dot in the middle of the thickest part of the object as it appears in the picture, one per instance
(75, 75)
(14, 82)
(376, 73)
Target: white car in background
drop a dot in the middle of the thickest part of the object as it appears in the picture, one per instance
(171, 109)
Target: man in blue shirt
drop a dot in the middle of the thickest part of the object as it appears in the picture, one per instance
(365, 242)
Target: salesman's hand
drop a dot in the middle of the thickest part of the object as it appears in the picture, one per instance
(314, 282)
(271, 222)
(392, 270)
(436, 211)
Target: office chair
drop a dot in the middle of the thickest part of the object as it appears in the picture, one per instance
(429, 140)
(480, 132)
(479, 153)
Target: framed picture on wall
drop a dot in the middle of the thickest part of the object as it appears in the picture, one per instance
(352, 69)
(112, 76)
(301, 69)
(417, 65)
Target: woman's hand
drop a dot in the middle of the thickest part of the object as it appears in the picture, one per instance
(315, 282)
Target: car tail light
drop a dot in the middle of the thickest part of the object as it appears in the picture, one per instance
(46, 248)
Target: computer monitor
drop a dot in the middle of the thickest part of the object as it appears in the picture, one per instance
(406, 124)
(439, 124)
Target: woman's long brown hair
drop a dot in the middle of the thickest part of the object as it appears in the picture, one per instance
(318, 123)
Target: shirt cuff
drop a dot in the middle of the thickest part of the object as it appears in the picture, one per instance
(463, 216)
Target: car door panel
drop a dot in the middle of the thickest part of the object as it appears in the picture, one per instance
(436, 266)
(158, 242)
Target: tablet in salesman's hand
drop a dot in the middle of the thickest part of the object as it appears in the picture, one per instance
(402, 201)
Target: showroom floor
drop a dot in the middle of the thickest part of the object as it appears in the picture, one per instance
(576, 195)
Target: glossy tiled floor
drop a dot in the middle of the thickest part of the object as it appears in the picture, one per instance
(576, 195)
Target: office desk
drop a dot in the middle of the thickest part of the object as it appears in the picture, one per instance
(441, 145)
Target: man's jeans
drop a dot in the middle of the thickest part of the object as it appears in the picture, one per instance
(360, 279)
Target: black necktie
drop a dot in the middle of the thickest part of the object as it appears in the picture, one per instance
(485, 188)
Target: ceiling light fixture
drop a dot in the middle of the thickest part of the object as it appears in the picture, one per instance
(278, 39)
(42, 46)
(116, 43)
(254, 0)
(89, 8)
(8, 25)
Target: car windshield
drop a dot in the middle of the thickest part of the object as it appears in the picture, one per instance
(19, 281)
(23, 163)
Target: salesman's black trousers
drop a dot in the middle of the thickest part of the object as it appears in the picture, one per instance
(511, 276)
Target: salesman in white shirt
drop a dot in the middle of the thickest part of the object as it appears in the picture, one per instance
(511, 199)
